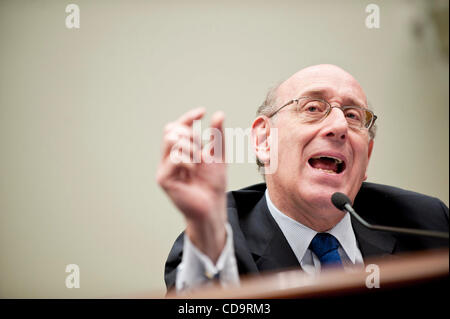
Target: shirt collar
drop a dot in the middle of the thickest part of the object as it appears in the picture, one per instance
(300, 236)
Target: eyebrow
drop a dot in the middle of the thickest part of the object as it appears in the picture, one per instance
(324, 94)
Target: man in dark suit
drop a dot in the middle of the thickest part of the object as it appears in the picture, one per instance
(313, 136)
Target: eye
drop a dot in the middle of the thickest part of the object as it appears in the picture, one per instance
(314, 107)
(353, 114)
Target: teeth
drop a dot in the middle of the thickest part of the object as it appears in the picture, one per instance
(337, 160)
(326, 170)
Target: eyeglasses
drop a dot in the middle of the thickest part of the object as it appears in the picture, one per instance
(313, 110)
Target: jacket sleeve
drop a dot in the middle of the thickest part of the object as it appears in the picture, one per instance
(197, 269)
(172, 262)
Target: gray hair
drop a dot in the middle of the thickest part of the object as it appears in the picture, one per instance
(270, 103)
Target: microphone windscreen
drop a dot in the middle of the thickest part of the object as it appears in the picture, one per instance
(339, 200)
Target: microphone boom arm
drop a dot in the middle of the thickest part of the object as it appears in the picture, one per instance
(423, 232)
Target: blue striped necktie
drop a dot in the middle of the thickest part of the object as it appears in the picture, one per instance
(325, 246)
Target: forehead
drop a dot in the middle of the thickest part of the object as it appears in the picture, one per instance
(328, 82)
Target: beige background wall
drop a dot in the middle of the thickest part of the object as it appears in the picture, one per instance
(82, 111)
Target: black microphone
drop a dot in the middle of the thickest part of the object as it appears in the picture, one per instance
(342, 202)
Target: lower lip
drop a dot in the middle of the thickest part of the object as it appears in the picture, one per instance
(325, 173)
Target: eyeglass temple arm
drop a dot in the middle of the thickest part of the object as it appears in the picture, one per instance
(288, 103)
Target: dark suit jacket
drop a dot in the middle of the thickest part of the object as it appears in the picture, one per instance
(261, 246)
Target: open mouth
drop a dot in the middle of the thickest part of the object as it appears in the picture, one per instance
(327, 164)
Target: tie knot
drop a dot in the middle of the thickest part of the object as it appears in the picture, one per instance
(325, 246)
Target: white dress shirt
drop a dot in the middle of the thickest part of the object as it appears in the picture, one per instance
(299, 237)
(197, 269)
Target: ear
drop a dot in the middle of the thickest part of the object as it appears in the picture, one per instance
(260, 139)
(369, 153)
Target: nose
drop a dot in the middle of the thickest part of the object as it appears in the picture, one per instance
(336, 126)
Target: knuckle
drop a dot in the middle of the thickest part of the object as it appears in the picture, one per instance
(160, 179)
(168, 127)
(167, 138)
(183, 131)
(171, 138)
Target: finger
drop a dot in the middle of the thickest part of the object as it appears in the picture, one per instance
(189, 117)
(178, 158)
(174, 169)
(218, 141)
(189, 148)
(181, 127)
(173, 136)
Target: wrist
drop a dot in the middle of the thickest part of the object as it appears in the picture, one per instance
(208, 235)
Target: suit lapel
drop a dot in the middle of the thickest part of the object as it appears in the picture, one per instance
(271, 250)
(266, 242)
(373, 243)
(261, 244)
(278, 255)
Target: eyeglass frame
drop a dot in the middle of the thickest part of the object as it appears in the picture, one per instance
(342, 108)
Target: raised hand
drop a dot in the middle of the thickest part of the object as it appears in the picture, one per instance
(197, 188)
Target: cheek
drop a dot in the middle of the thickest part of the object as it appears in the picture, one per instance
(291, 148)
(361, 158)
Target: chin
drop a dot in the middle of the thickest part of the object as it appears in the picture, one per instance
(318, 195)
